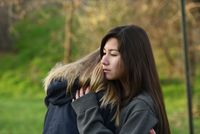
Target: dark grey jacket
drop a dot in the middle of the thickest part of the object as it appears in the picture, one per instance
(138, 117)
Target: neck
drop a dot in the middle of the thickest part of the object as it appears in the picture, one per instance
(125, 87)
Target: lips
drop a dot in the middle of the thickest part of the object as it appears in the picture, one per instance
(106, 70)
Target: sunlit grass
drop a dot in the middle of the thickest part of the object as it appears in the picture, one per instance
(177, 108)
(21, 116)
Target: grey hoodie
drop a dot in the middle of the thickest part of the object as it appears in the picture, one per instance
(137, 117)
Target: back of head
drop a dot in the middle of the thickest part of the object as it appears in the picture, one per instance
(72, 71)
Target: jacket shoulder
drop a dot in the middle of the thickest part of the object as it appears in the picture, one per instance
(140, 103)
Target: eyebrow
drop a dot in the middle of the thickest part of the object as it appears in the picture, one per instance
(111, 50)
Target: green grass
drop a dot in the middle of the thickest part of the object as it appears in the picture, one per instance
(21, 73)
(177, 108)
(21, 116)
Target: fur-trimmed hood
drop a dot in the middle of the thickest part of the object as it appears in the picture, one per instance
(61, 72)
(72, 70)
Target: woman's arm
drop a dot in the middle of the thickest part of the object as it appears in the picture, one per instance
(90, 121)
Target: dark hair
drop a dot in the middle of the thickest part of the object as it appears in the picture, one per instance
(140, 68)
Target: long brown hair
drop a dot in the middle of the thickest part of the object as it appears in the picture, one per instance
(140, 69)
(96, 81)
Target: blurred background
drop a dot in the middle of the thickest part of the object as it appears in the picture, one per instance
(37, 34)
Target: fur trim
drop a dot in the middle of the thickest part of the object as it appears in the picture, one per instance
(62, 72)
(72, 70)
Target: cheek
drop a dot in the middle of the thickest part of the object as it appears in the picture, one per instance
(119, 68)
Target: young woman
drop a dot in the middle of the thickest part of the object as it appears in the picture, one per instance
(132, 87)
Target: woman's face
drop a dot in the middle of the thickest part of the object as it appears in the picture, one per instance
(111, 61)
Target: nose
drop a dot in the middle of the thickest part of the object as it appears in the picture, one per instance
(104, 60)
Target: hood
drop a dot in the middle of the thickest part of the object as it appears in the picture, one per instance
(62, 73)
(72, 70)
(56, 93)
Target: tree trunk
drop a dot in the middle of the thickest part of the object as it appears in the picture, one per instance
(5, 38)
(68, 31)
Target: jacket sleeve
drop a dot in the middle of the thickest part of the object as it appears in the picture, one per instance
(136, 119)
(89, 119)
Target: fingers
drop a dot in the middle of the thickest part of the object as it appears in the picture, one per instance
(152, 131)
(77, 94)
(87, 90)
(82, 92)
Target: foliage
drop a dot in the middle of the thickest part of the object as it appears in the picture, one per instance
(39, 39)
(35, 37)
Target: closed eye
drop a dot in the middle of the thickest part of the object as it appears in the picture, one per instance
(113, 54)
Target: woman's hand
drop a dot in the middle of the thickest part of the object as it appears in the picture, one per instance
(82, 92)
(152, 131)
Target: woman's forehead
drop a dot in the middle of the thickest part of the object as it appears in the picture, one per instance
(111, 44)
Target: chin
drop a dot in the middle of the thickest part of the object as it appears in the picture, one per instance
(110, 78)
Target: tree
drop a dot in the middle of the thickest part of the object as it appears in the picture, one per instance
(69, 10)
(5, 38)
